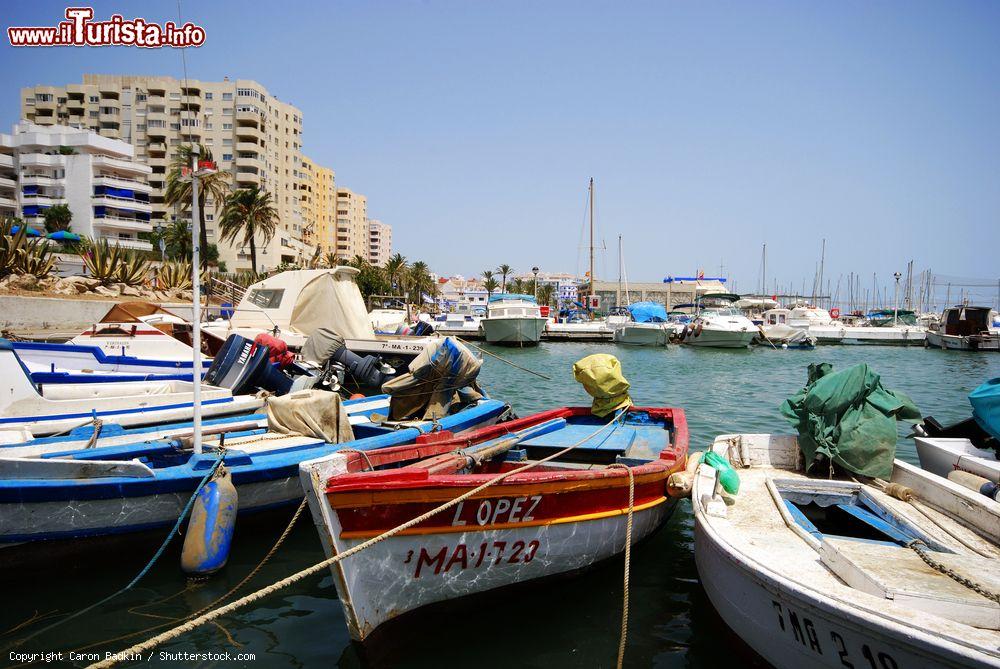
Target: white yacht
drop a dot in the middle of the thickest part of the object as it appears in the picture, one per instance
(513, 320)
(966, 328)
(463, 321)
(718, 324)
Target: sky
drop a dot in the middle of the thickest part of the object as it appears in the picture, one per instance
(711, 128)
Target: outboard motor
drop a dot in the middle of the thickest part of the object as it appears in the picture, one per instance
(326, 349)
(422, 329)
(244, 367)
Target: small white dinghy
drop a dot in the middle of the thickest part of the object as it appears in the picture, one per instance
(943, 455)
(837, 573)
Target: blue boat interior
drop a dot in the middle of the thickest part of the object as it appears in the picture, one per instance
(847, 513)
(639, 437)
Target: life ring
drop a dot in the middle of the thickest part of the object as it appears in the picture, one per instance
(835, 313)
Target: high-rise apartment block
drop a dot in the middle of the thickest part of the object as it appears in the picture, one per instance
(106, 190)
(351, 225)
(379, 242)
(254, 137)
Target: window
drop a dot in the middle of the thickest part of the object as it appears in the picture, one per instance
(93, 114)
(61, 101)
(156, 123)
(141, 127)
(227, 112)
(175, 96)
(227, 96)
(95, 99)
(266, 298)
(43, 97)
(29, 101)
(227, 126)
(209, 217)
(208, 96)
(140, 97)
(227, 156)
(175, 126)
(227, 142)
(208, 126)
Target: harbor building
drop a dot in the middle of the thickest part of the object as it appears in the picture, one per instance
(97, 177)
(671, 292)
(253, 136)
(379, 242)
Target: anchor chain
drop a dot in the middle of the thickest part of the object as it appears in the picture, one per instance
(921, 549)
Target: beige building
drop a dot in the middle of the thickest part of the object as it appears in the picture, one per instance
(253, 136)
(323, 209)
(379, 242)
(670, 294)
(351, 225)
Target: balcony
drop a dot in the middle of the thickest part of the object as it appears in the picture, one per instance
(157, 149)
(244, 179)
(252, 147)
(49, 104)
(7, 182)
(7, 202)
(42, 160)
(122, 203)
(139, 244)
(36, 180)
(117, 163)
(6, 160)
(118, 223)
(122, 182)
(246, 116)
(113, 117)
(40, 199)
(242, 162)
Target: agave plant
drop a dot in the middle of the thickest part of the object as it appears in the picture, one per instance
(103, 261)
(11, 246)
(37, 259)
(133, 268)
(174, 275)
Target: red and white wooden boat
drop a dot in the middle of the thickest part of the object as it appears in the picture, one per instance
(558, 517)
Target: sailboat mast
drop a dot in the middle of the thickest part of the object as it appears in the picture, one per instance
(763, 274)
(822, 262)
(593, 288)
(618, 297)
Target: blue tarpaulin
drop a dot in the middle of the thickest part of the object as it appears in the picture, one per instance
(648, 312)
(64, 236)
(985, 402)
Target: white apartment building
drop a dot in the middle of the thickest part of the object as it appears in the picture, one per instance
(107, 191)
(254, 137)
(379, 242)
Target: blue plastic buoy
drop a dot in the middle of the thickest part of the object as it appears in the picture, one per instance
(210, 530)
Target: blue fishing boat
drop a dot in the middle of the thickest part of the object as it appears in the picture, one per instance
(127, 489)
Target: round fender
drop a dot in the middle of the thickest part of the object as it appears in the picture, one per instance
(697, 329)
(684, 332)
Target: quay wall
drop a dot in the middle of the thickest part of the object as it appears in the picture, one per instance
(26, 314)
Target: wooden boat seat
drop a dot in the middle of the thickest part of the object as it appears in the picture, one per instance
(899, 574)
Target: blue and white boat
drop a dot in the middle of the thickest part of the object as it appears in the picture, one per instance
(43, 409)
(119, 490)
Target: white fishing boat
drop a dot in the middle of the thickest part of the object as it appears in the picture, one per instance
(717, 324)
(513, 320)
(463, 321)
(971, 445)
(966, 328)
(944, 455)
(388, 313)
(845, 573)
(45, 409)
(827, 327)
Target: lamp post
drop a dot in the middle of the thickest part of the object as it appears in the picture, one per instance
(534, 270)
(895, 299)
(159, 229)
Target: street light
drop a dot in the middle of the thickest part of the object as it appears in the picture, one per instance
(895, 299)
(159, 229)
(534, 270)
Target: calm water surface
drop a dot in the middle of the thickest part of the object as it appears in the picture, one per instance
(564, 623)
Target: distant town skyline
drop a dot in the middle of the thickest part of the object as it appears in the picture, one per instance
(710, 129)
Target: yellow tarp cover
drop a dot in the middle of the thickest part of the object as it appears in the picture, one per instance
(601, 376)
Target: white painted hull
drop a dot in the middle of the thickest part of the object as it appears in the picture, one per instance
(513, 331)
(711, 337)
(641, 334)
(957, 343)
(839, 334)
(404, 573)
(791, 629)
(943, 455)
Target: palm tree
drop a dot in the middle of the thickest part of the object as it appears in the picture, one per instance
(249, 212)
(395, 270)
(178, 191)
(504, 271)
(489, 283)
(57, 217)
(420, 281)
(546, 292)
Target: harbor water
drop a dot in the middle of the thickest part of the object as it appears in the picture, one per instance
(570, 622)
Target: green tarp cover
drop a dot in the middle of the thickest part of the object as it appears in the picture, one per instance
(849, 418)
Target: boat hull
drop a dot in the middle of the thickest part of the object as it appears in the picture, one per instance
(941, 455)
(790, 628)
(513, 331)
(989, 342)
(719, 338)
(637, 334)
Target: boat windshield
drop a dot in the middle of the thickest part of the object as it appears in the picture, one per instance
(720, 311)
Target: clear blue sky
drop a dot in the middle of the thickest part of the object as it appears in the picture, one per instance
(710, 127)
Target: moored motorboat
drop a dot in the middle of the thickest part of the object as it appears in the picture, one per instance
(718, 325)
(971, 445)
(558, 517)
(646, 325)
(966, 328)
(513, 320)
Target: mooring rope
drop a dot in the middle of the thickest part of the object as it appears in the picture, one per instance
(502, 359)
(145, 570)
(628, 560)
(208, 617)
